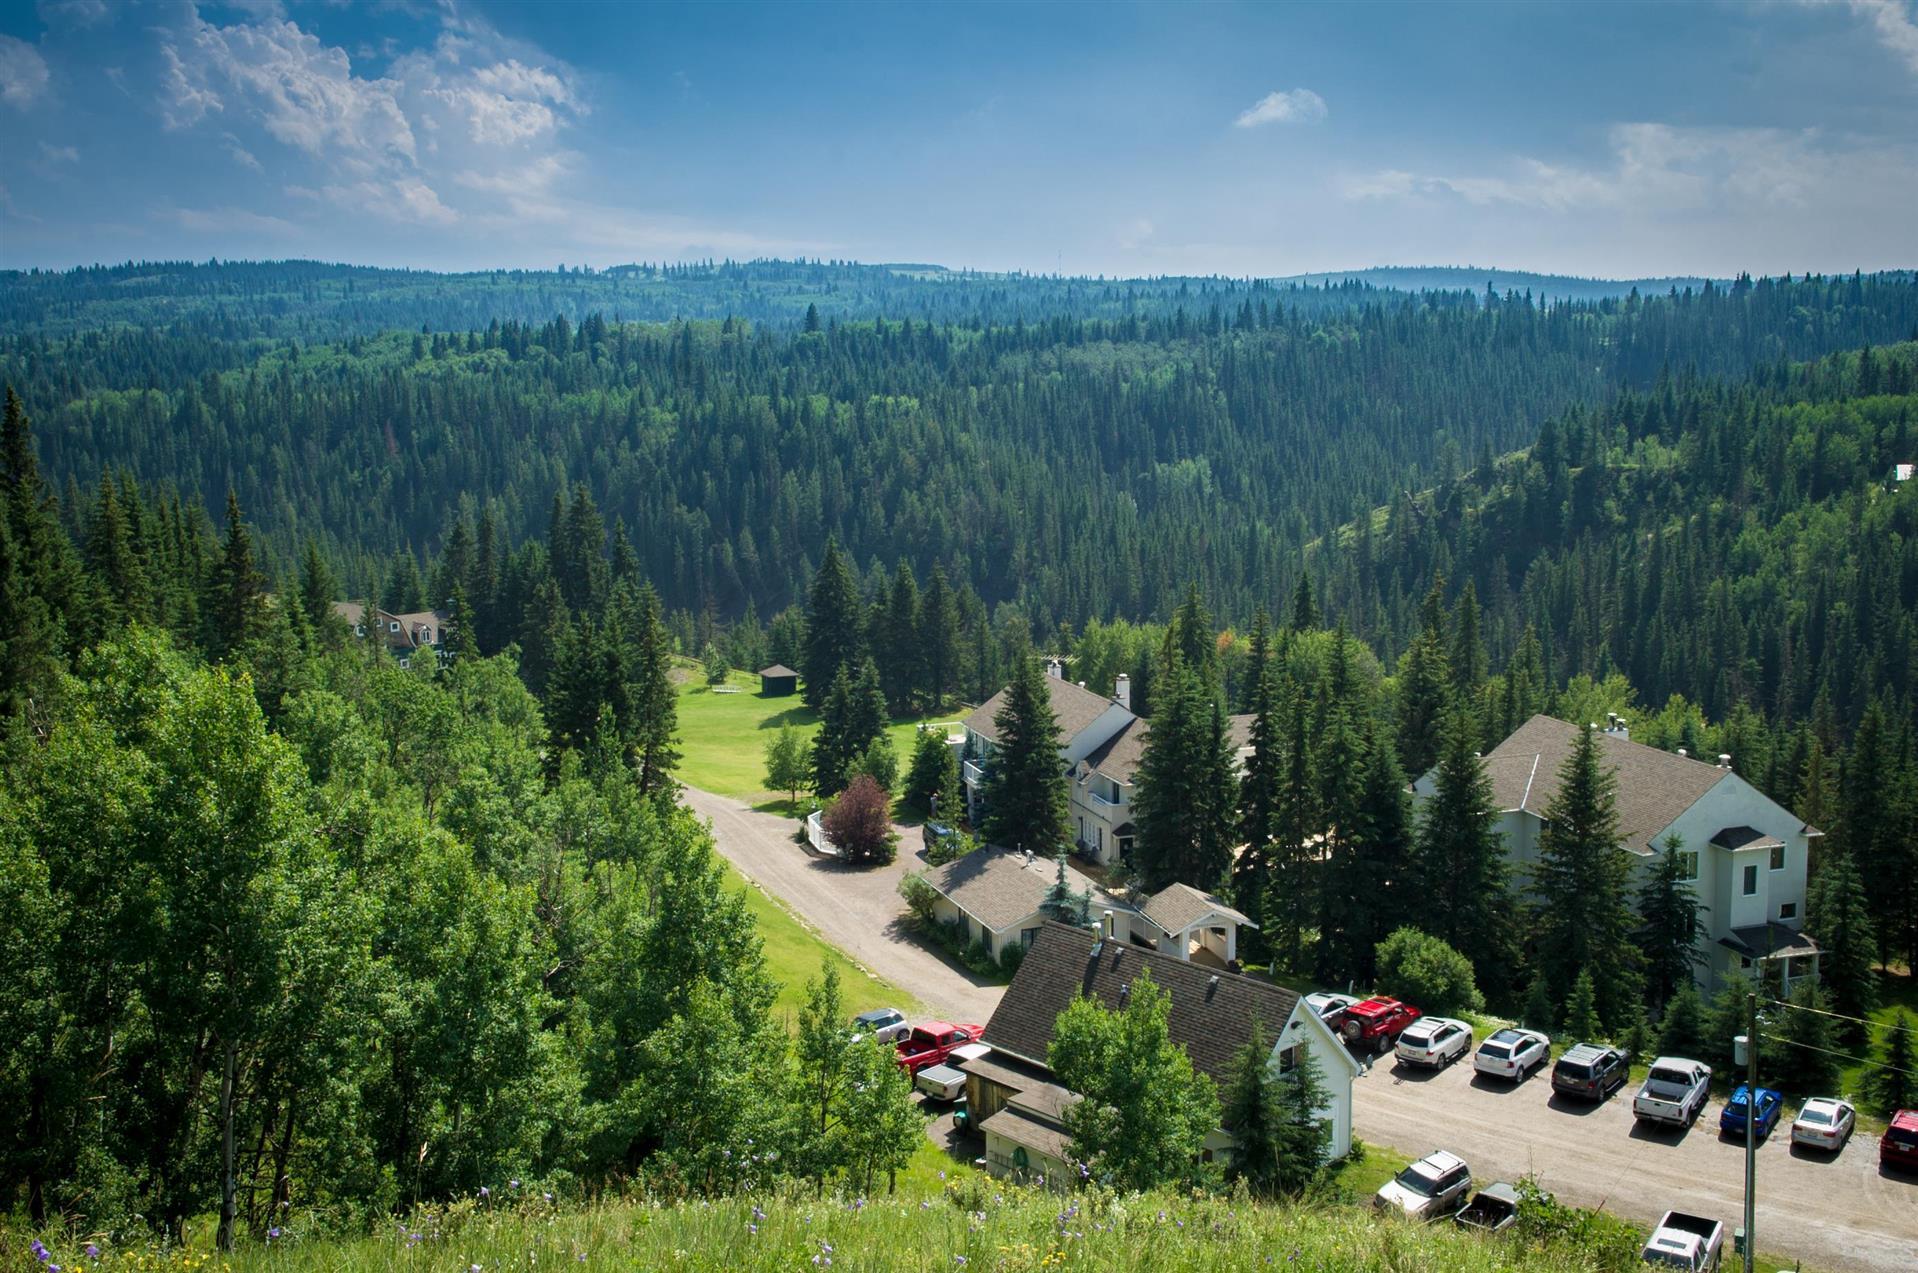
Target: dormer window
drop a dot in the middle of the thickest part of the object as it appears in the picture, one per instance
(393, 625)
(426, 635)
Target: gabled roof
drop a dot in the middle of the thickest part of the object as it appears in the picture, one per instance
(1177, 907)
(1073, 706)
(1118, 757)
(1212, 1013)
(1654, 786)
(1746, 838)
(998, 889)
(777, 669)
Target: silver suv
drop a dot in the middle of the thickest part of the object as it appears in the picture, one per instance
(1430, 1189)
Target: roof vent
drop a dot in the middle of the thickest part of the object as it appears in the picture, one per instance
(1724, 760)
(1683, 752)
(1125, 992)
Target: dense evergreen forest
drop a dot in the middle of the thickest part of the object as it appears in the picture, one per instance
(1073, 465)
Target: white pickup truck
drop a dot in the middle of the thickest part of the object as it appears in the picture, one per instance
(1675, 1092)
(1686, 1242)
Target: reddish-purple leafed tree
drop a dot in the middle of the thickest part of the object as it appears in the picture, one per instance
(860, 822)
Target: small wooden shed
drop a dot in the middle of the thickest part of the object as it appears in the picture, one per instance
(778, 681)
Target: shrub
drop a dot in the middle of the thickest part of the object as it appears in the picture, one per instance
(1426, 972)
(860, 822)
(950, 847)
(1011, 957)
(920, 897)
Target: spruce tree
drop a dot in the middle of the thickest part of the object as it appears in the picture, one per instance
(1807, 1043)
(655, 702)
(835, 627)
(1841, 917)
(1682, 1030)
(1891, 1082)
(1668, 924)
(1581, 1023)
(1372, 888)
(1183, 804)
(1026, 784)
(1342, 793)
(236, 593)
(1424, 693)
(1461, 862)
(854, 717)
(1259, 786)
(1305, 614)
(938, 637)
(1583, 921)
(1290, 902)
(894, 640)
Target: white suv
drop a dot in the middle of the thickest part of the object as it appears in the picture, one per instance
(1434, 1041)
(1431, 1188)
(1513, 1054)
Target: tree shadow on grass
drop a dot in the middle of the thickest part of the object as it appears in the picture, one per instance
(798, 716)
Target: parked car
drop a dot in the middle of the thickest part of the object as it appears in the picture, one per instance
(1493, 1209)
(1675, 1091)
(1770, 1104)
(1376, 1023)
(1430, 1189)
(1434, 1041)
(1512, 1054)
(1898, 1147)
(1686, 1242)
(933, 1042)
(1330, 1006)
(1591, 1071)
(941, 1082)
(889, 1024)
(1824, 1123)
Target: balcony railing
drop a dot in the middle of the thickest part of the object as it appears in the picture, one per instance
(975, 774)
(1103, 801)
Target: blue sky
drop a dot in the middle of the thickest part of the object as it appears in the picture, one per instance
(1614, 139)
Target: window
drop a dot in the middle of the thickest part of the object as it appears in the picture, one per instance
(1778, 857)
(1688, 864)
(1788, 910)
(1751, 881)
(1026, 935)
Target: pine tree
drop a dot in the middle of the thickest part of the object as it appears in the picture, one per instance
(835, 627)
(1372, 888)
(112, 556)
(1583, 922)
(1541, 1012)
(894, 645)
(1841, 917)
(319, 589)
(1668, 924)
(1061, 902)
(1259, 786)
(854, 717)
(655, 728)
(1807, 1045)
(1290, 901)
(1342, 779)
(236, 594)
(1026, 784)
(1461, 861)
(1305, 615)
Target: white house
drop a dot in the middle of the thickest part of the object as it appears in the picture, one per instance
(1746, 854)
(1019, 1107)
(1100, 744)
(998, 897)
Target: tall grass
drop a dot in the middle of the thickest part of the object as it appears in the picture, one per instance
(975, 1224)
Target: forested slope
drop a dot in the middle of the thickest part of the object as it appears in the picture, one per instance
(1078, 467)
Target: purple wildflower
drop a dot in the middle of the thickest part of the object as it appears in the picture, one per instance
(92, 1251)
(273, 1233)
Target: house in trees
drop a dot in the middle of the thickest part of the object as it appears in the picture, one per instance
(778, 681)
(1746, 854)
(1101, 742)
(1012, 1094)
(998, 897)
(405, 635)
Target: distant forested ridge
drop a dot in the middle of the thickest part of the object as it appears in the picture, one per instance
(1073, 465)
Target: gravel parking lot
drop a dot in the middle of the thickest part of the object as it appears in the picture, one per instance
(1834, 1212)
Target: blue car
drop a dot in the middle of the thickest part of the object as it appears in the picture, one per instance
(1770, 1105)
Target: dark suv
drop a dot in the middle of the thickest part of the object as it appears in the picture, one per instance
(1591, 1071)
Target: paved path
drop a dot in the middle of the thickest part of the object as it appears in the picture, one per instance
(856, 908)
(1834, 1213)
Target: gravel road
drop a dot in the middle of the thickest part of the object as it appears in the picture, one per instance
(856, 908)
(1834, 1213)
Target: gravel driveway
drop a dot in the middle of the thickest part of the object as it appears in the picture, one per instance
(1834, 1213)
(856, 908)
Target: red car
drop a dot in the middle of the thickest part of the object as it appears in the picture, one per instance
(933, 1042)
(1899, 1145)
(1376, 1023)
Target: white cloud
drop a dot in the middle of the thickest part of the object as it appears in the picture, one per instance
(23, 72)
(229, 221)
(1297, 106)
(186, 99)
(1894, 25)
(78, 13)
(241, 155)
(59, 154)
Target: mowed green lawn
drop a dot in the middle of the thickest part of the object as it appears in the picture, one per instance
(795, 954)
(722, 737)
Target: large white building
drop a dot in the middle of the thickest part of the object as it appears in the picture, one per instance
(1746, 854)
(1101, 742)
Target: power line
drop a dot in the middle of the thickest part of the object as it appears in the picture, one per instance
(1843, 1056)
(1891, 1025)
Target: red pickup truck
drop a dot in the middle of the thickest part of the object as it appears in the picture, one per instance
(933, 1042)
(1376, 1023)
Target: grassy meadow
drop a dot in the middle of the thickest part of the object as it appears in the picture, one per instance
(723, 737)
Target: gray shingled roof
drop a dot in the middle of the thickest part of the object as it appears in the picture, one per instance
(1177, 907)
(777, 669)
(1768, 940)
(1211, 1017)
(1073, 706)
(1037, 1135)
(998, 889)
(1654, 786)
(1118, 757)
(1746, 838)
